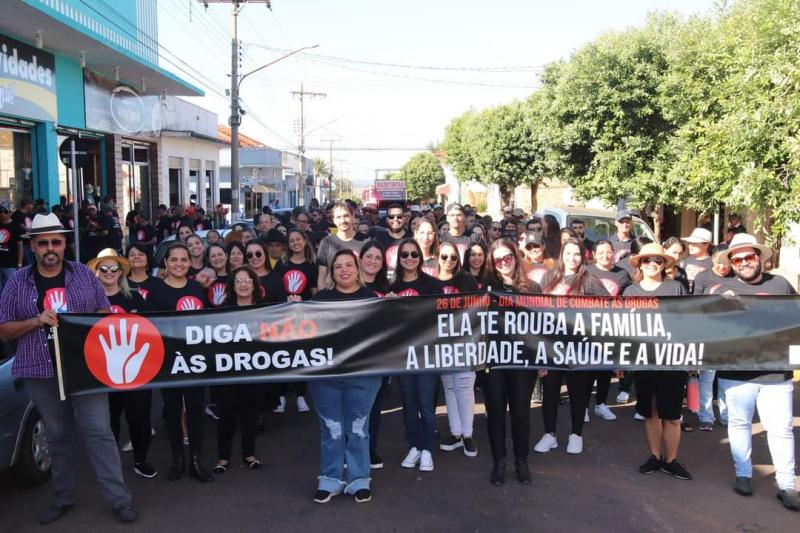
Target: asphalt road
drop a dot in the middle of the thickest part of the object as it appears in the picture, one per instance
(600, 490)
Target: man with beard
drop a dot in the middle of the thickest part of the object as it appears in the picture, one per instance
(29, 308)
(768, 391)
(395, 222)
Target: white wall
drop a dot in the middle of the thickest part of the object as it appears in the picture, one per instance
(188, 148)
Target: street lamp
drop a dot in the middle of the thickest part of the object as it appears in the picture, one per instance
(236, 119)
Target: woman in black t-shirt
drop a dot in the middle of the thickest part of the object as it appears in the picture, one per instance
(235, 251)
(570, 277)
(217, 260)
(659, 394)
(373, 268)
(139, 278)
(509, 388)
(197, 255)
(112, 270)
(450, 274)
(475, 263)
(178, 293)
(241, 401)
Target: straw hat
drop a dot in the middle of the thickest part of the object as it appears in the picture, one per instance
(110, 253)
(698, 236)
(45, 224)
(652, 249)
(745, 240)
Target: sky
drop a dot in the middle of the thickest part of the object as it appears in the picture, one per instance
(394, 73)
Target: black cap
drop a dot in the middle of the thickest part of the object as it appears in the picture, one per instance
(455, 205)
(274, 235)
(534, 238)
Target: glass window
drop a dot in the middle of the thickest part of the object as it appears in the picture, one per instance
(16, 180)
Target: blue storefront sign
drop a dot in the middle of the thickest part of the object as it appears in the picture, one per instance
(27, 81)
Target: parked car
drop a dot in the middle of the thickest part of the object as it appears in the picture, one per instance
(23, 447)
(599, 223)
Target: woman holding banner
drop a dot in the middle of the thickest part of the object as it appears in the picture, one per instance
(178, 293)
(459, 387)
(112, 271)
(418, 391)
(240, 401)
(343, 404)
(570, 277)
(659, 394)
(507, 388)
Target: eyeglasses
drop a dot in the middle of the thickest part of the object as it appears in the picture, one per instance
(506, 260)
(394, 217)
(251, 255)
(244, 281)
(44, 243)
(109, 268)
(405, 255)
(445, 257)
(655, 260)
(749, 258)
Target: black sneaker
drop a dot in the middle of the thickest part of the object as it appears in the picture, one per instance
(145, 470)
(676, 470)
(470, 450)
(363, 496)
(653, 464)
(451, 443)
(375, 461)
(324, 496)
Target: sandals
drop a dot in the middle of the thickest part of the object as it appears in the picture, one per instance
(254, 464)
(220, 468)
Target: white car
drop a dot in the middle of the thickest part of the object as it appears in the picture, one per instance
(599, 223)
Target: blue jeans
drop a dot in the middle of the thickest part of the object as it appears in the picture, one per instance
(774, 403)
(706, 385)
(5, 275)
(343, 407)
(418, 394)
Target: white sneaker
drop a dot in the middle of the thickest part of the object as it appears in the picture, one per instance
(412, 458)
(575, 444)
(546, 443)
(281, 407)
(604, 412)
(152, 432)
(586, 418)
(302, 406)
(622, 397)
(426, 461)
(127, 447)
(637, 416)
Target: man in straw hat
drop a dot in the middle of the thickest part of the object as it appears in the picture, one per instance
(29, 307)
(769, 391)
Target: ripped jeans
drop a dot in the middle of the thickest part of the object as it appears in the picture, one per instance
(343, 407)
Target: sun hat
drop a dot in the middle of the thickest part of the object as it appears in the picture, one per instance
(698, 236)
(745, 240)
(652, 249)
(48, 223)
(110, 253)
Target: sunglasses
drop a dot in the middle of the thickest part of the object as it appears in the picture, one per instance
(245, 281)
(445, 257)
(251, 255)
(506, 260)
(44, 243)
(108, 268)
(655, 260)
(749, 258)
(405, 255)
(394, 217)
(536, 230)
(530, 247)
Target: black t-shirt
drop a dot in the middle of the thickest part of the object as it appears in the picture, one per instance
(114, 237)
(216, 292)
(193, 271)
(461, 242)
(272, 287)
(429, 266)
(668, 287)
(23, 220)
(459, 284)
(707, 282)
(424, 284)
(392, 246)
(621, 248)
(299, 278)
(143, 232)
(614, 280)
(10, 235)
(190, 297)
(768, 285)
(163, 227)
(144, 288)
(591, 285)
(328, 295)
(694, 267)
(379, 288)
(51, 295)
(122, 304)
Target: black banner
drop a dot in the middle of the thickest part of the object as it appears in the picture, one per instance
(309, 340)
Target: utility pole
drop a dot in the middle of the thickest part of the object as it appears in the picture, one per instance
(301, 176)
(330, 161)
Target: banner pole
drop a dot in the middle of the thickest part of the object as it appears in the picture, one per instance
(59, 373)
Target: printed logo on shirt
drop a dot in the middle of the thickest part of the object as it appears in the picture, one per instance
(56, 299)
(216, 294)
(124, 351)
(611, 286)
(536, 274)
(5, 236)
(380, 294)
(144, 292)
(140, 235)
(449, 289)
(561, 289)
(28, 223)
(294, 282)
(714, 288)
(116, 309)
(391, 256)
(408, 292)
(189, 303)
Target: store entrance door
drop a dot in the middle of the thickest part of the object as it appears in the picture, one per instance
(136, 173)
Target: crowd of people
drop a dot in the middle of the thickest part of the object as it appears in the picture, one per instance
(339, 253)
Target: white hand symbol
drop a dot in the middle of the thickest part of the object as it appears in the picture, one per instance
(218, 294)
(122, 363)
(188, 305)
(293, 282)
(57, 303)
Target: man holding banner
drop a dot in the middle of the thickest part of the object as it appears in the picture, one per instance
(29, 306)
(769, 391)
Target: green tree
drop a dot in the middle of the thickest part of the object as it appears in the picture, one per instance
(422, 173)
